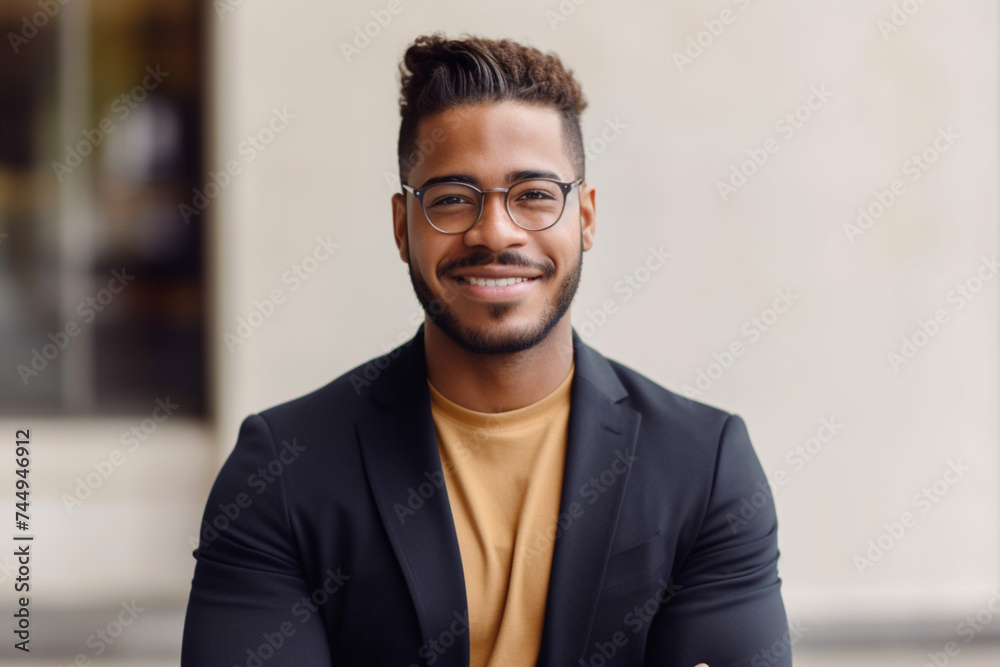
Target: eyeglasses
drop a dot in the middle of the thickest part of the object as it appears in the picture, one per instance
(455, 208)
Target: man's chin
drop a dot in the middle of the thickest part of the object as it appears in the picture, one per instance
(492, 339)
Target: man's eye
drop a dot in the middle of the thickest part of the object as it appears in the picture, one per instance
(450, 200)
(535, 194)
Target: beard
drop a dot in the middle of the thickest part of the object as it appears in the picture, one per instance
(484, 340)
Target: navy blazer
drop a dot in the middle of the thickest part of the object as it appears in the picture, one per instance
(328, 537)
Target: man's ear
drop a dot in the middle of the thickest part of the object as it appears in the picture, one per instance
(588, 214)
(399, 225)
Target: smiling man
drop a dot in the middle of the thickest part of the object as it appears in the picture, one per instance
(494, 492)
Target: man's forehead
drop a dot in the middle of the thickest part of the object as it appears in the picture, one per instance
(500, 138)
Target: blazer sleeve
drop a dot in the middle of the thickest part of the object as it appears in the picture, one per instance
(726, 607)
(250, 601)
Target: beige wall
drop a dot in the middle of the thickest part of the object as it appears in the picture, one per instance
(671, 134)
(679, 131)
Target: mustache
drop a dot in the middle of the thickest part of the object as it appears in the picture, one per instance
(506, 258)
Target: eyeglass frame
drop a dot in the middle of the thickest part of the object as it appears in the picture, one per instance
(565, 187)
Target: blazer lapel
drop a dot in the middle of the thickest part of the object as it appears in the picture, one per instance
(401, 459)
(601, 429)
(399, 448)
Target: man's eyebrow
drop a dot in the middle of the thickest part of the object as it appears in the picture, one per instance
(449, 178)
(512, 177)
(524, 174)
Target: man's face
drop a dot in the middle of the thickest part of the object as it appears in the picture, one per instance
(492, 146)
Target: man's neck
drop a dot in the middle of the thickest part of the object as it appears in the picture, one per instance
(502, 382)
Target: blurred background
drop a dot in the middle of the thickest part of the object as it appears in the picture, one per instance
(823, 177)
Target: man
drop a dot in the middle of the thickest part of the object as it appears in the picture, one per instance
(494, 491)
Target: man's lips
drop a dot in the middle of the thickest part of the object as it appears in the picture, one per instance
(491, 285)
(495, 276)
(494, 281)
(484, 281)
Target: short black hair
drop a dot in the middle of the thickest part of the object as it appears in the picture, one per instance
(437, 74)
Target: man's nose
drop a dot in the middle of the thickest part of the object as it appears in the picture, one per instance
(495, 228)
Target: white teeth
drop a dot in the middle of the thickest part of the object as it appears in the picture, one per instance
(490, 282)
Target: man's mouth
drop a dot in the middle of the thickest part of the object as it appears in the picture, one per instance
(494, 282)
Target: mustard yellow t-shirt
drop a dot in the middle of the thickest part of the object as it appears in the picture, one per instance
(504, 472)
